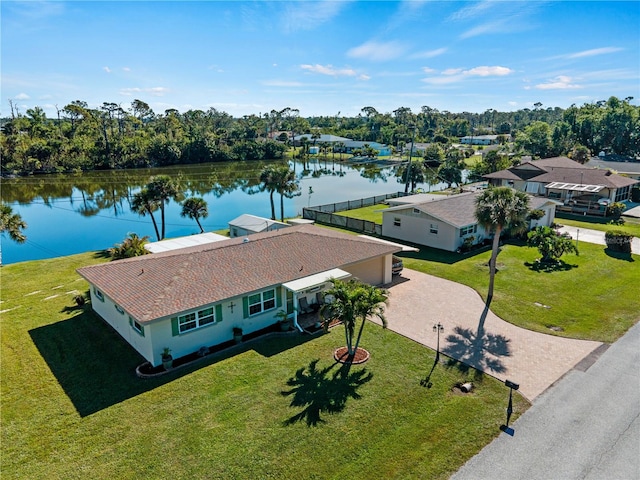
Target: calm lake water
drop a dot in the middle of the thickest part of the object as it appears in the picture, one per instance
(69, 214)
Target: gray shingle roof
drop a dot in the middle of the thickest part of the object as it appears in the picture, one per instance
(562, 169)
(167, 283)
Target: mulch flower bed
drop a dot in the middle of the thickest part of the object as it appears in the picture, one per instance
(341, 355)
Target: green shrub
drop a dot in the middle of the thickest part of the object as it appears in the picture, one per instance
(618, 241)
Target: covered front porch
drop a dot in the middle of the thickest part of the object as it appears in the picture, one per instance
(305, 297)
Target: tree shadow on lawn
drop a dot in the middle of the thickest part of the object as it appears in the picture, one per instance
(96, 367)
(549, 267)
(319, 392)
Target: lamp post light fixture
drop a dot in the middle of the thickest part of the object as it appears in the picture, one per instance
(512, 386)
(438, 327)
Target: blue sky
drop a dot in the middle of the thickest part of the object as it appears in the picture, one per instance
(323, 58)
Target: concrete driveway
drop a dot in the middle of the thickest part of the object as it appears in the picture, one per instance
(417, 301)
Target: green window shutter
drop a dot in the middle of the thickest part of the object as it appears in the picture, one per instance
(218, 313)
(279, 297)
(245, 307)
(175, 330)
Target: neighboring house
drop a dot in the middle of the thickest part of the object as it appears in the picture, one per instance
(567, 181)
(479, 140)
(352, 145)
(333, 139)
(445, 223)
(193, 297)
(247, 224)
(628, 169)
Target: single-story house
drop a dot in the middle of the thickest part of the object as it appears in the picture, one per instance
(247, 224)
(564, 180)
(479, 140)
(445, 223)
(193, 297)
(333, 139)
(352, 145)
(629, 169)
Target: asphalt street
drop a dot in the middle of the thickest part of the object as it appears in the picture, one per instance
(586, 426)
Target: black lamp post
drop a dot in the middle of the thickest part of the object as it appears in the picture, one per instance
(438, 328)
(512, 386)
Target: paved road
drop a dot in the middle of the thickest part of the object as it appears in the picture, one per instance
(595, 236)
(586, 426)
(481, 339)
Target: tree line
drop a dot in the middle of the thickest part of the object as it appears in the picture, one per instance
(116, 137)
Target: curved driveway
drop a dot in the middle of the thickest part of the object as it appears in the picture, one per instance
(534, 360)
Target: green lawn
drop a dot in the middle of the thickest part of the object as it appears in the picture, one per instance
(73, 408)
(631, 226)
(372, 213)
(592, 299)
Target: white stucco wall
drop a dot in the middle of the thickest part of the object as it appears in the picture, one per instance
(416, 228)
(120, 322)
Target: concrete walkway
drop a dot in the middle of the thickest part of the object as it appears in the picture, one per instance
(417, 301)
(595, 236)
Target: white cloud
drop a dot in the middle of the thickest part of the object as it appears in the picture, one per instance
(593, 52)
(106, 69)
(485, 71)
(329, 70)
(377, 51)
(428, 70)
(513, 104)
(472, 11)
(307, 16)
(153, 91)
(443, 80)
(364, 77)
(429, 53)
(451, 71)
(281, 83)
(561, 82)
(22, 96)
(126, 69)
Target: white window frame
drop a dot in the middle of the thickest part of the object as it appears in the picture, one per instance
(99, 295)
(266, 301)
(433, 228)
(118, 308)
(193, 320)
(397, 221)
(416, 210)
(468, 230)
(137, 326)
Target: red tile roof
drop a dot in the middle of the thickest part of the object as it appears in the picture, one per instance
(167, 283)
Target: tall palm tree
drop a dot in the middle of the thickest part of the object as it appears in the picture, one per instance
(287, 186)
(195, 208)
(162, 189)
(142, 203)
(269, 182)
(354, 302)
(11, 223)
(497, 209)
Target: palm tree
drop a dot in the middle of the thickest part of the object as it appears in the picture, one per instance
(287, 186)
(162, 189)
(195, 208)
(497, 209)
(11, 223)
(268, 179)
(131, 246)
(354, 301)
(142, 203)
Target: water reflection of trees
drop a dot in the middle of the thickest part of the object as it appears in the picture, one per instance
(111, 190)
